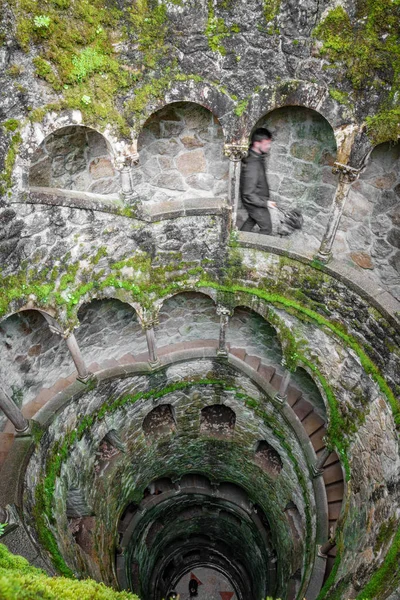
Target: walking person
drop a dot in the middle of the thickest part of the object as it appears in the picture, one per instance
(254, 188)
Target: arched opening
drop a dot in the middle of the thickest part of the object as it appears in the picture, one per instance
(187, 317)
(299, 168)
(268, 458)
(369, 230)
(74, 158)
(181, 155)
(217, 420)
(160, 421)
(109, 333)
(32, 360)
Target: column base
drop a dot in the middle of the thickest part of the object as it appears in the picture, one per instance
(26, 432)
(87, 378)
(280, 399)
(154, 363)
(222, 353)
(316, 472)
(323, 257)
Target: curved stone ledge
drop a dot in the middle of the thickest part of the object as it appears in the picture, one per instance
(362, 285)
(111, 203)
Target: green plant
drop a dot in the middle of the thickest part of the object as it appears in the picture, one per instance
(41, 21)
(2, 528)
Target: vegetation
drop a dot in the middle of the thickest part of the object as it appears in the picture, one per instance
(365, 52)
(20, 581)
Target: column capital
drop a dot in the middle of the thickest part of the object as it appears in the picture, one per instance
(125, 162)
(348, 173)
(235, 152)
(224, 310)
(58, 331)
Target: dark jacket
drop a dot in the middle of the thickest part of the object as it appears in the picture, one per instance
(254, 188)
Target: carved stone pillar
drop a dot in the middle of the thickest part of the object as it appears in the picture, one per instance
(13, 413)
(125, 164)
(235, 153)
(347, 175)
(317, 468)
(224, 314)
(83, 374)
(282, 392)
(148, 327)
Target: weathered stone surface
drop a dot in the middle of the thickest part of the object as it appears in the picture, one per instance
(394, 237)
(191, 162)
(101, 167)
(170, 180)
(362, 259)
(307, 152)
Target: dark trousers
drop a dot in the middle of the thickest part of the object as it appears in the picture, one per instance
(260, 216)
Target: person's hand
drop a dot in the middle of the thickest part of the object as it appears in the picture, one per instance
(271, 204)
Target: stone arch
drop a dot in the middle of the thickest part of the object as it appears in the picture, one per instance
(217, 420)
(369, 230)
(33, 358)
(187, 317)
(77, 158)
(250, 330)
(159, 422)
(203, 93)
(299, 167)
(181, 154)
(109, 328)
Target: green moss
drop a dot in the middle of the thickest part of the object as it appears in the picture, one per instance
(19, 580)
(271, 9)
(241, 107)
(6, 175)
(216, 30)
(387, 576)
(385, 533)
(365, 49)
(10, 125)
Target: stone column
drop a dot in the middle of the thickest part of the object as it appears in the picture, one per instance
(224, 313)
(83, 374)
(125, 164)
(347, 175)
(148, 324)
(317, 467)
(13, 413)
(235, 153)
(282, 392)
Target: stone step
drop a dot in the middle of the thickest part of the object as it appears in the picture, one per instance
(334, 510)
(335, 491)
(302, 408)
(333, 473)
(6, 442)
(317, 438)
(239, 353)
(276, 381)
(266, 372)
(252, 361)
(109, 363)
(312, 423)
(293, 395)
(127, 359)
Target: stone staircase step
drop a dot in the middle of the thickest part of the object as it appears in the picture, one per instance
(334, 510)
(266, 372)
(252, 361)
(293, 395)
(126, 359)
(302, 408)
(333, 473)
(239, 353)
(335, 491)
(312, 423)
(276, 381)
(109, 363)
(317, 438)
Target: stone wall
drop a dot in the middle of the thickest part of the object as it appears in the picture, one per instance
(31, 356)
(181, 155)
(74, 158)
(369, 231)
(299, 168)
(109, 329)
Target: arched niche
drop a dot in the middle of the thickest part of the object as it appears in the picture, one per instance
(187, 317)
(250, 332)
(74, 158)
(181, 155)
(299, 167)
(268, 458)
(217, 420)
(109, 330)
(32, 358)
(369, 230)
(302, 380)
(159, 421)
